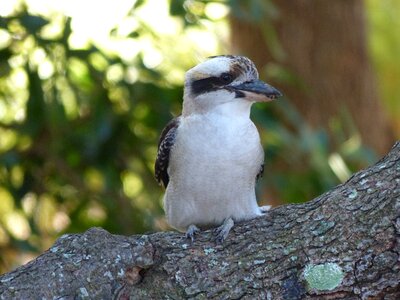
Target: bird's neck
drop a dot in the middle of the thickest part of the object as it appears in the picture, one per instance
(237, 109)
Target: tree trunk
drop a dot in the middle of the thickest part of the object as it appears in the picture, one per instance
(343, 245)
(324, 45)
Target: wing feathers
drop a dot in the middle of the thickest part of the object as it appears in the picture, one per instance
(165, 144)
(260, 172)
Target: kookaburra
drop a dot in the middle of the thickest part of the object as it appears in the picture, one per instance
(210, 157)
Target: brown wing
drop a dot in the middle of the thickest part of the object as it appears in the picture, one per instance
(165, 144)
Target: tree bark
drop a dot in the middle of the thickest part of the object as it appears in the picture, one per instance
(324, 45)
(344, 244)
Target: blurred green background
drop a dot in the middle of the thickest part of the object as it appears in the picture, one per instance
(86, 88)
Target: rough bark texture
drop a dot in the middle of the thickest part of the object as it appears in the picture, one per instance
(343, 245)
(325, 46)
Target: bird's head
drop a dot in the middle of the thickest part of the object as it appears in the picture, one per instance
(228, 83)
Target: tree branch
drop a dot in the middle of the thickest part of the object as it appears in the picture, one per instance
(343, 244)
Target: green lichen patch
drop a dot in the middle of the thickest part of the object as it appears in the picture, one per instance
(353, 194)
(324, 276)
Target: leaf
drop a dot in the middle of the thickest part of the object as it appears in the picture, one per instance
(33, 23)
(35, 109)
(67, 32)
(176, 8)
(3, 22)
(5, 54)
(138, 3)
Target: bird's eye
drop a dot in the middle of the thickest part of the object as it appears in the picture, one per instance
(226, 78)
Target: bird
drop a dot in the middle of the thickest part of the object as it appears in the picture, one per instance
(210, 157)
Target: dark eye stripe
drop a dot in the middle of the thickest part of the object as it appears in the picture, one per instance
(209, 84)
(201, 86)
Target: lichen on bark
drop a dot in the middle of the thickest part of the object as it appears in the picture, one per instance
(324, 276)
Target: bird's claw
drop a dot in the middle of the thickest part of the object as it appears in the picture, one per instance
(191, 232)
(221, 232)
(264, 209)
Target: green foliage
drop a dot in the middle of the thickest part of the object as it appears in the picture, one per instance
(78, 137)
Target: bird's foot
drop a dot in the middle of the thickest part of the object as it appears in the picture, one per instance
(264, 209)
(221, 232)
(191, 232)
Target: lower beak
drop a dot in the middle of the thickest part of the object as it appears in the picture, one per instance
(256, 90)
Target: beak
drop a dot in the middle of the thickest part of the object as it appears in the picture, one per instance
(256, 90)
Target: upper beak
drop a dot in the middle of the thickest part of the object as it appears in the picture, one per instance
(256, 90)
